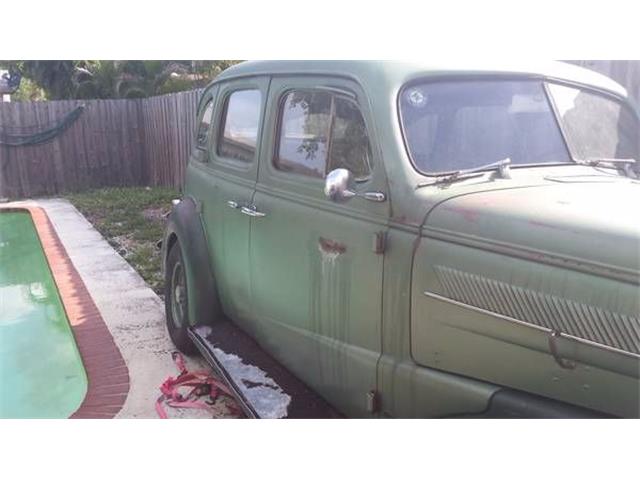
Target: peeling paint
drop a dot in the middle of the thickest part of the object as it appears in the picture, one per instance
(329, 252)
(261, 391)
(331, 246)
(468, 214)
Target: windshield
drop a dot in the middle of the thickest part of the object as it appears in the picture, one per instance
(456, 125)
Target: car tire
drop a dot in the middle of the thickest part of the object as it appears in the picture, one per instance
(177, 301)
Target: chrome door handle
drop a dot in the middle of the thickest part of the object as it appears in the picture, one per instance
(232, 204)
(251, 211)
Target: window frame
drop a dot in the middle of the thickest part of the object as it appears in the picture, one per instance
(222, 121)
(333, 93)
(544, 81)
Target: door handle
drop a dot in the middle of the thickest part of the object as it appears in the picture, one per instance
(252, 212)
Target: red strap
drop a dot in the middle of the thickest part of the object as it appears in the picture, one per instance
(178, 359)
(160, 408)
(202, 384)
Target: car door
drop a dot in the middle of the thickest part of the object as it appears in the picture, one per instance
(316, 265)
(226, 185)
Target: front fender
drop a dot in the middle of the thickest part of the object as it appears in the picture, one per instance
(184, 225)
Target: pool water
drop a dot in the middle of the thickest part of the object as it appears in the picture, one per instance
(41, 371)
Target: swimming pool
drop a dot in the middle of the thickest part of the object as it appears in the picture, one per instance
(57, 358)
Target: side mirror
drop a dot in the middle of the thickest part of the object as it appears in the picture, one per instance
(336, 185)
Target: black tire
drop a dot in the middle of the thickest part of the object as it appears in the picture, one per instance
(176, 301)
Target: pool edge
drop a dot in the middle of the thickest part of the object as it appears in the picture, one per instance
(106, 370)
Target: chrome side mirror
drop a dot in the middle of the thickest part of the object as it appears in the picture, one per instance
(336, 185)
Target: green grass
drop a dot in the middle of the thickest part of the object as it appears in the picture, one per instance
(132, 220)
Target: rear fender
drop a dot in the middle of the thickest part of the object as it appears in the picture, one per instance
(184, 225)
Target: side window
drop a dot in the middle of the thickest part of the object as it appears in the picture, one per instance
(239, 128)
(349, 141)
(304, 133)
(204, 126)
(319, 132)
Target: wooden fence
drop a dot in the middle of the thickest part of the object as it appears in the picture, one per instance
(169, 126)
(104, 146)
(113, 143)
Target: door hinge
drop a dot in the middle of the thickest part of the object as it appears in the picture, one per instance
(379, 242)
(373, 401)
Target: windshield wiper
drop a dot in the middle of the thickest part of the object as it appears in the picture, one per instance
(624, 164)
(501, 168)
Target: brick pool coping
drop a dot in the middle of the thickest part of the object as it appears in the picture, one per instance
(107, 373)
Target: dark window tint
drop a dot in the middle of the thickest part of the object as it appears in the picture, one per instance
(316, 129)
(205, 125)
(457, 125)
(349, 142)
(596, 126)
(239, 130)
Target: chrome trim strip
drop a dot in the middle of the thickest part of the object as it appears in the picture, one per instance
(529, 325)
(211, 359)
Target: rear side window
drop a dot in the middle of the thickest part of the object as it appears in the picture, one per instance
(319, 132)
(205, 125)
(239, 129)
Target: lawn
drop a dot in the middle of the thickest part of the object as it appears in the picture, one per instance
(132, 220)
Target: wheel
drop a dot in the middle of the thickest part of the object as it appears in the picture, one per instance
(176, 301)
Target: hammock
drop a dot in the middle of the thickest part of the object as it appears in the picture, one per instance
(23, 139)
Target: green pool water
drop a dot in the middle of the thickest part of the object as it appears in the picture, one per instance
(41, 372)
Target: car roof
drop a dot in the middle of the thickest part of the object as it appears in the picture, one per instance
(399, 72)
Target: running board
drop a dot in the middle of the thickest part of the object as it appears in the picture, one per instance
(263, 387)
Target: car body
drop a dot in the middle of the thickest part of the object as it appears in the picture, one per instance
(420, 241)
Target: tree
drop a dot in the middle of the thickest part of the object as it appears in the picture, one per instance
(28, 91)
(72, 79)
(53, 76)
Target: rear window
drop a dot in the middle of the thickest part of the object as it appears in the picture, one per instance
(239, 128)
(456, 125)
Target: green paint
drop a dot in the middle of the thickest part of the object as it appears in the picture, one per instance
(41, 370)
(547, 249)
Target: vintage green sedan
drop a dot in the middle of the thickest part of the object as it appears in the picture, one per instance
(413, 240)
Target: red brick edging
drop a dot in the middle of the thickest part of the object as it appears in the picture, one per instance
(107, 373)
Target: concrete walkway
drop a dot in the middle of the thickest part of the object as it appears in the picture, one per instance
(133, 313)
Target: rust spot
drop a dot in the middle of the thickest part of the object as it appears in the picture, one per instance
(537, 223)
(467, 214)
(331, 246)
(562, 228)
(400, 219)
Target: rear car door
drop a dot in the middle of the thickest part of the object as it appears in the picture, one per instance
(316, 265)
(225, 181)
